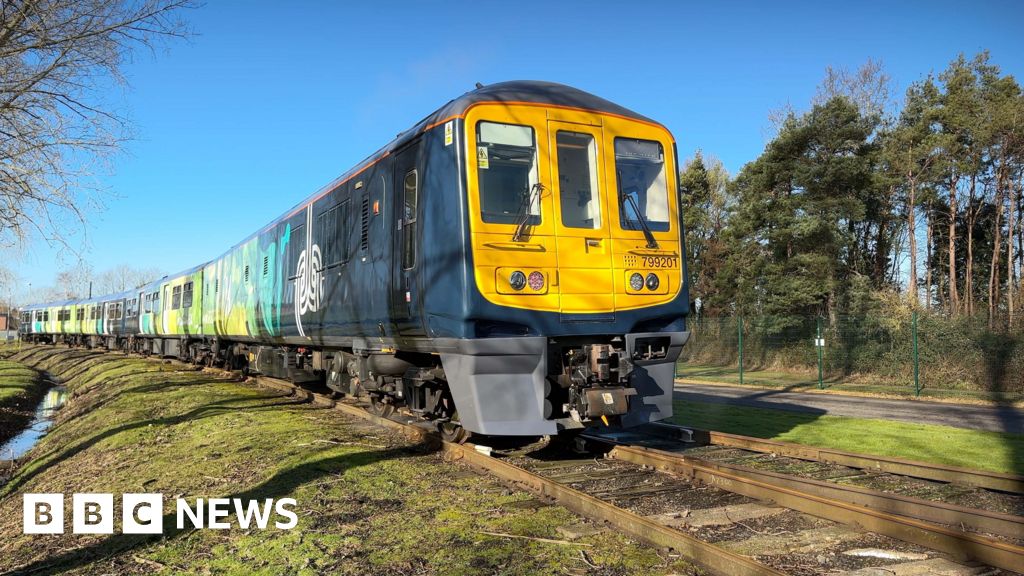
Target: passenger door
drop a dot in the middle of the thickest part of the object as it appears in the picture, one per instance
(582, 225)
(405, 297)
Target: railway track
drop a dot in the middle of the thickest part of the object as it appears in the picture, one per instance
(1011, 483)
(733, 519)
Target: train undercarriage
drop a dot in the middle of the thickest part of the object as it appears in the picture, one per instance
(543, 387)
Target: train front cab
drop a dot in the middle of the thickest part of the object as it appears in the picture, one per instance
(576, 245)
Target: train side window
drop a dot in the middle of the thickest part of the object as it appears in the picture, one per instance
(156, 302)
(330, 234)
(296, 246)
(80, 314)
(409, 219)
(176, 298)
(507, 173)
(186, 295)
(343, 230)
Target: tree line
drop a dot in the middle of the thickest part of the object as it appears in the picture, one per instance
(857, 203)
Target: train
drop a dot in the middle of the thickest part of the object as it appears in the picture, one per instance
(512, 265)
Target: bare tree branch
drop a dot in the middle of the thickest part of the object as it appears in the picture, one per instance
(58, 58)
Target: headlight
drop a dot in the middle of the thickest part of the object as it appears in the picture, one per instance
(536, 280)
(652, 281)
(636, 282)
(517, 280)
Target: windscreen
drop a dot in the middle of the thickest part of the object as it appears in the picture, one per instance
(640, 169)
(506, 173)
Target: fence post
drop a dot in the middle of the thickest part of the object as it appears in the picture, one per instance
(917, 381)
(740, 329)
(820, 346)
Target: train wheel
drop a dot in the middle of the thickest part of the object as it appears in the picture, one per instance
(452, 430)
(380, 407)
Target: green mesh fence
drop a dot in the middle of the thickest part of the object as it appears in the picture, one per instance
(928, 353)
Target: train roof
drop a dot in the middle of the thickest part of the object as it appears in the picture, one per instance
(529, 91)
(131, 292)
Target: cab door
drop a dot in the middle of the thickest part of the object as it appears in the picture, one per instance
(582, 226)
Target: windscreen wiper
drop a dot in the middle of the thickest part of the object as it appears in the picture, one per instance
(651, 242)
(524, 217)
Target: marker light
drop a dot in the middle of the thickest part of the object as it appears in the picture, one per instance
(517, 280)
(636, 282)
(536, 280)
(652, 281)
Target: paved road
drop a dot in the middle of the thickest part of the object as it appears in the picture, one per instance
(996, 418)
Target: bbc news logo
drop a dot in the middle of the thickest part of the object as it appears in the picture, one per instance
(144, 513)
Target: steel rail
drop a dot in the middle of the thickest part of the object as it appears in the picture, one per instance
(1008, 525)
(762, 486)
(712, 557)
(926, 470)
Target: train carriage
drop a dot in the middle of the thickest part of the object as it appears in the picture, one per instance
(513, 264)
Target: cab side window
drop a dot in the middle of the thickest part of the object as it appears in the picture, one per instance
(186, 295)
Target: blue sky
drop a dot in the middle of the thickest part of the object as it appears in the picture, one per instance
(271, 100)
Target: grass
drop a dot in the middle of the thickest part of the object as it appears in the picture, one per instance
(16, 381)
(369, 502)
(996, 451)
(797, 381)
(20, 391)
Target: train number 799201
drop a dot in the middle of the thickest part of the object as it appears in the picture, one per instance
(660, 261)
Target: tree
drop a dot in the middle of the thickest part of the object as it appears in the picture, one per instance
(57, 58)
(909, 150)
(124, 277)
(706, 205)
(869, 88)
(807, 218)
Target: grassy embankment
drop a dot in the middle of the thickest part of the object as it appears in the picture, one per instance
(369, 502)
(20, 390)
(807, 381)
(1000, 452)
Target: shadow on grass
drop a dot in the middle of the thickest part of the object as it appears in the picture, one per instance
(279, 485)
(999, 351)
(46, 461)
